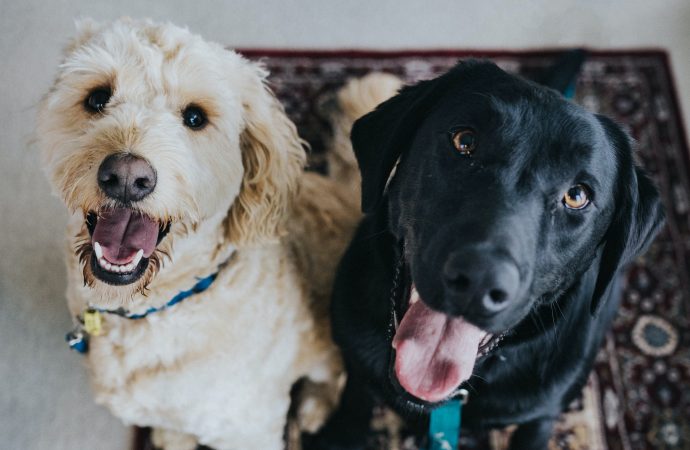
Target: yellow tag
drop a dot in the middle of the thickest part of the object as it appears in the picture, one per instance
(93, 324)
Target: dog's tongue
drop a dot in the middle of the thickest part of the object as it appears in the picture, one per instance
(121, 232)
(434, 352)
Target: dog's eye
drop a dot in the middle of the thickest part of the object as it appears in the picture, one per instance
(194, 117)
(465, 141)
(577, 197)
(97, 99)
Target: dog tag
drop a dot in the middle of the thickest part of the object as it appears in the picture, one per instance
(93, 322)
(78, 340)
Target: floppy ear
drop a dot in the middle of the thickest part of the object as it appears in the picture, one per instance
(273, 157)
(562, 75)
(380, 137)
(638, 216)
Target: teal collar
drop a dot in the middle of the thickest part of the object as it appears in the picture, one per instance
(444, 423)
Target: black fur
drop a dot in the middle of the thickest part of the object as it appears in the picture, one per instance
(500, 207)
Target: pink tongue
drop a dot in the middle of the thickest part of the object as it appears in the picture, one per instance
(434, 352)
(122, 232)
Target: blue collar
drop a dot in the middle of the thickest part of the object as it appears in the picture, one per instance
(89, 323)
(199, 287)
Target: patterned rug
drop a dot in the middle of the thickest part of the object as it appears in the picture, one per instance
(639, 395)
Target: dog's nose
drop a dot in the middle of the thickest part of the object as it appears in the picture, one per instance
(126, 177)
(483, 281)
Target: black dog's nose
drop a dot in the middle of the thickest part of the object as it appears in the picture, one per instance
(482, 280)
(125, 177)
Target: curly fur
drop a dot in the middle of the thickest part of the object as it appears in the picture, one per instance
(270, 178)
(218, 368)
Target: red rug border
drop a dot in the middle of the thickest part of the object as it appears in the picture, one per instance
(430, 52)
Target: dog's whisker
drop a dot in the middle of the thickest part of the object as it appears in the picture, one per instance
(372, 236)
(558, 306)
(474, 375)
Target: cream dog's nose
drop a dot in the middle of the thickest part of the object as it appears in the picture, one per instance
(126, 177)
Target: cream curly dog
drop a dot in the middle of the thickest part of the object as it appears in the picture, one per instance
(200, 255)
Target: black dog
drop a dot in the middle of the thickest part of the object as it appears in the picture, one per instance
(498, 215)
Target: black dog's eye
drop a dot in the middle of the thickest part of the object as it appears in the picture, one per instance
(577, 197)
(194, 117)
(97, 99)
(465, 141)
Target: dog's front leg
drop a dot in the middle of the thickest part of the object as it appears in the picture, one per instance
(315, 403)
(348, 427)
(172, 440)
(533, 435)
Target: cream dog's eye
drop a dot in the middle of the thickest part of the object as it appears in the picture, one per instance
(97, 99)
(194, 117)
(577, 197)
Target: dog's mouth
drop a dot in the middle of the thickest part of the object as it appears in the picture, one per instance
(123, 241)
(434, 353)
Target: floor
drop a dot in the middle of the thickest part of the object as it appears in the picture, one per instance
(44, 396)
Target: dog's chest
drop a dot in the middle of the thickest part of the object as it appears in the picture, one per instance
(222, 347)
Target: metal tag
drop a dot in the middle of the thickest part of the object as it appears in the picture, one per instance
(93, 322)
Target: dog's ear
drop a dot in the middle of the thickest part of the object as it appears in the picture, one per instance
(638, 216)
(273, 158)
(380, 137)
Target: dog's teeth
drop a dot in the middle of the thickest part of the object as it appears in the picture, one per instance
(414, 297)
(116, 268)
(98, 250)
(137, 258)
